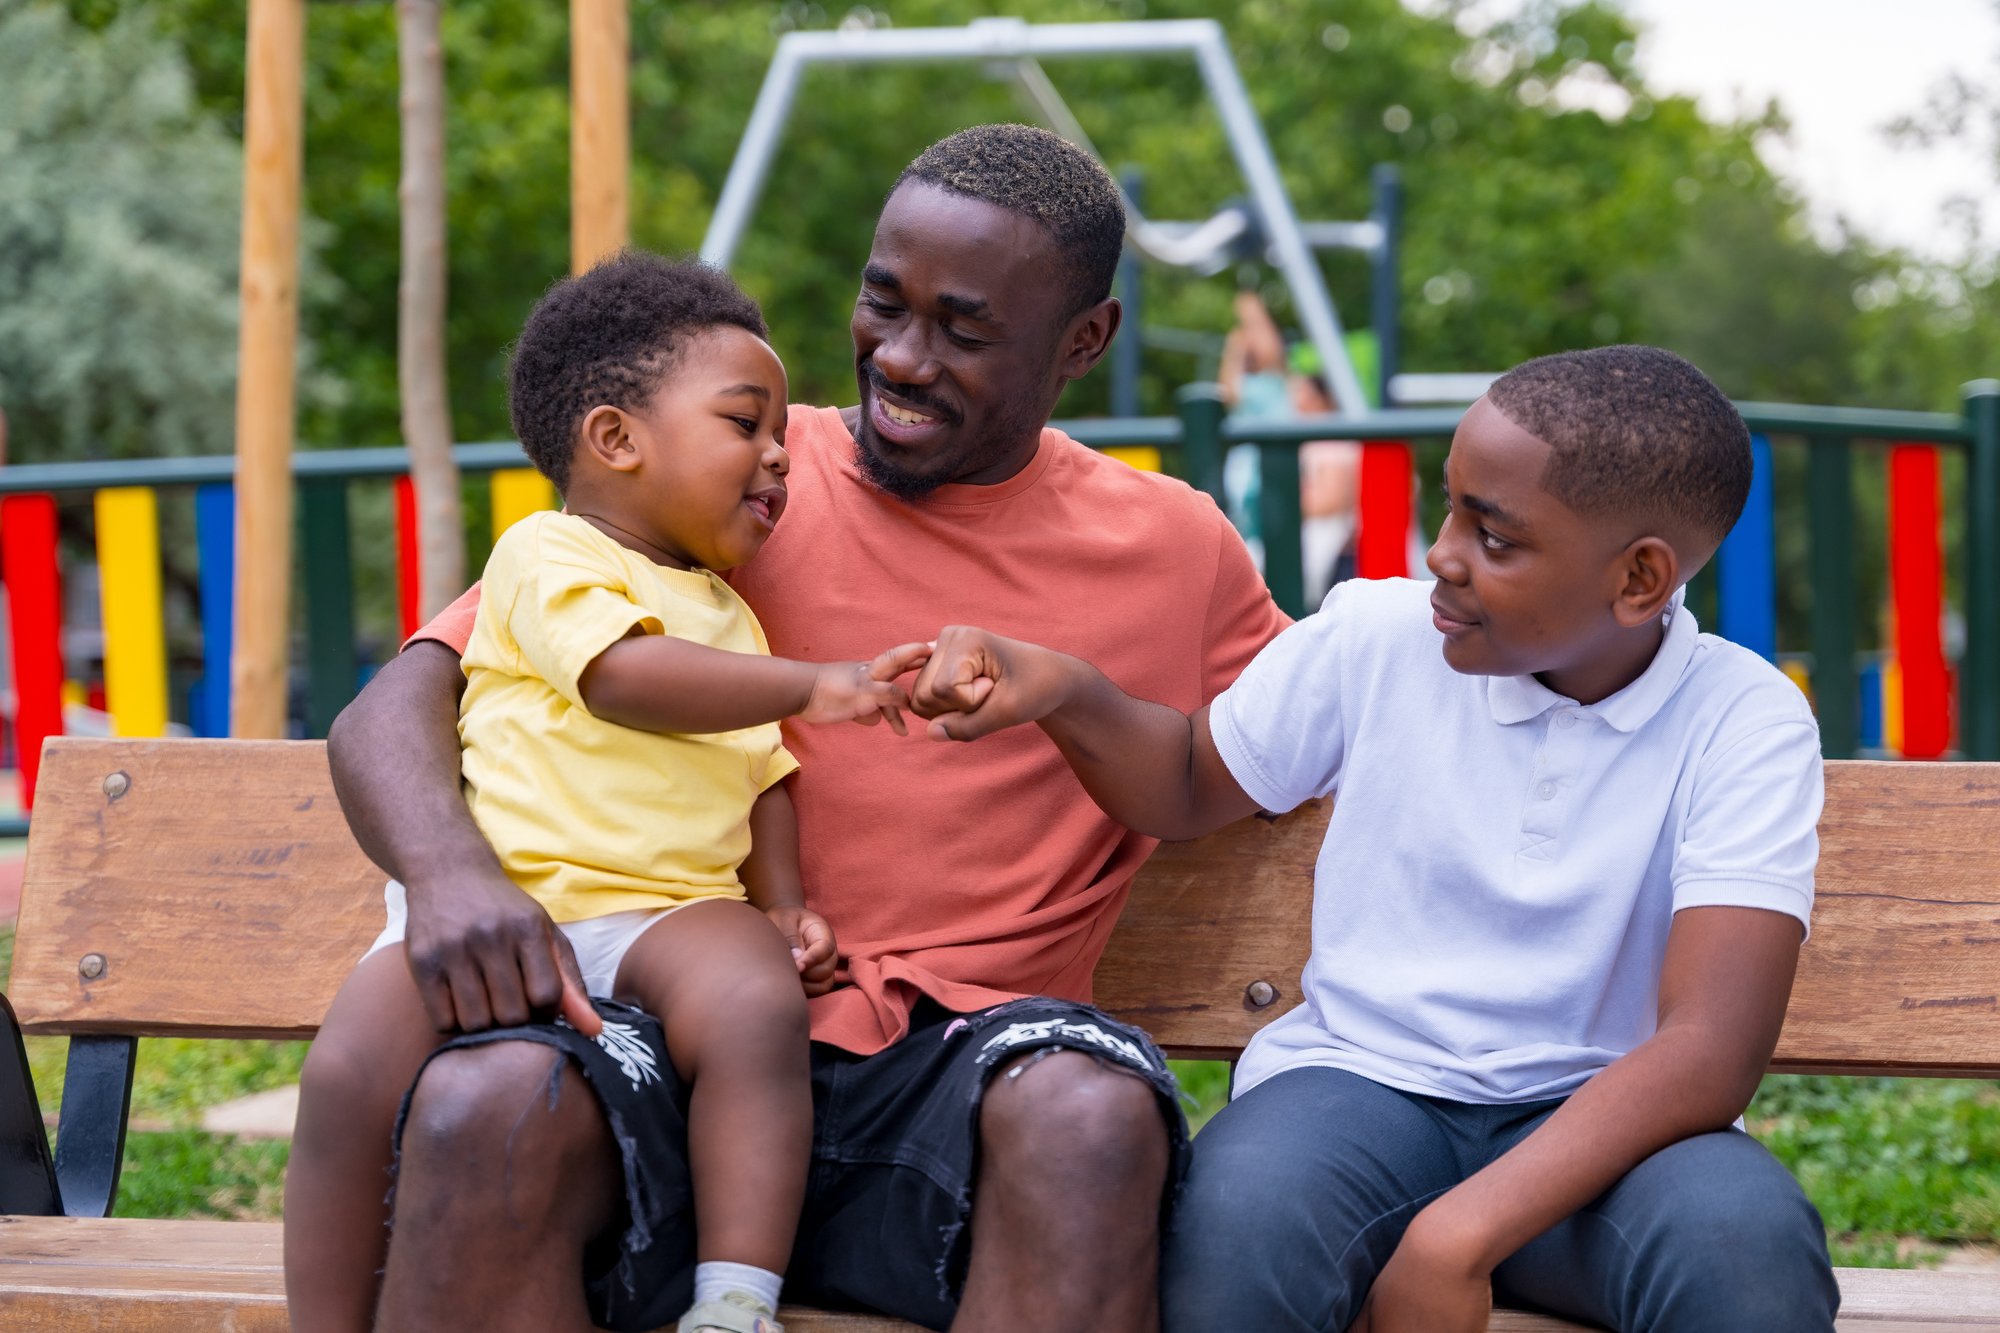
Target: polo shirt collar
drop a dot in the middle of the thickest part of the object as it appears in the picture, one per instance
(1521, 698)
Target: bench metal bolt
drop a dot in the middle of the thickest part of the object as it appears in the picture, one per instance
(91, 967)
(117, 785)
(1260, 994)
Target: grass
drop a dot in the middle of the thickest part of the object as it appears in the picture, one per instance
(1899, 1168)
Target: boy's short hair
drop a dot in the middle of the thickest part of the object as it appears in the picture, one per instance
(608, 337)
(1636, 431)
(1028, 170)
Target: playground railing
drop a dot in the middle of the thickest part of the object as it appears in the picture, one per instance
(1192, 444)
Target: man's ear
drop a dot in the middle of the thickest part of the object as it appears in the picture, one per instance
(1089, 336)
(1651, 571)
(607, 437)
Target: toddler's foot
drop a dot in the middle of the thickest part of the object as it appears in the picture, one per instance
(732, 1312)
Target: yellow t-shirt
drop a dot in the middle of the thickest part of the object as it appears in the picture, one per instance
(588, 816)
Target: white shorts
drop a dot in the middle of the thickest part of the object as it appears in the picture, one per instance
(600, 943)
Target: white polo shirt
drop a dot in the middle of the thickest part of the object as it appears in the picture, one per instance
(1491, 905)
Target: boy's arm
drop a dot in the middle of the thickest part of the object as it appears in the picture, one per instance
(1152, 768)
(771, 879)
(658, 682)
(1723, 989)
(482, 952)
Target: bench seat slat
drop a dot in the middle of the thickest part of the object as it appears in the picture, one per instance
(140, 1275)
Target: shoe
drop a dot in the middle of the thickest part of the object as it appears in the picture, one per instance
(733, 1312)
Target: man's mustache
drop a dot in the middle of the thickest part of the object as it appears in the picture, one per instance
(915, 397)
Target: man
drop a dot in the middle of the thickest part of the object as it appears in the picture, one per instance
(981, 1161)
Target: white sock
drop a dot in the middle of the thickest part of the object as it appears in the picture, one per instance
(713, 1279)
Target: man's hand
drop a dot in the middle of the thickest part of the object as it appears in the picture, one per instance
(865, 692)
(484, 954)
(812, 944)
(1430, 1285)
(977, 683)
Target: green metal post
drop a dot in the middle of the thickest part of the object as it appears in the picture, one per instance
(1979, 673)
(329, 596)
(1830, 500)
(1201, 438)
(1278, 521)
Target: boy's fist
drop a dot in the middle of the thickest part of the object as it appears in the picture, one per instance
(864, 692)
(977, 683)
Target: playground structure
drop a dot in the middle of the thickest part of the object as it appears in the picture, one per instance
(244, 506)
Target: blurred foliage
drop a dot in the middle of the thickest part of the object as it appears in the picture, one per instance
(1554, 201)
(118, 225)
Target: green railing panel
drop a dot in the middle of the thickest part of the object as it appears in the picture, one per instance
(1278, 521)
(1830, 522)
(1979, 672)
(328, 569)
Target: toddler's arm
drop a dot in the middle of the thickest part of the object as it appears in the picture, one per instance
(771, 879)
(1152, 768)
(657, 682)
(1723, 990)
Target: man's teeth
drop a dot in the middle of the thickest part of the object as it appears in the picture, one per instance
(905, 418)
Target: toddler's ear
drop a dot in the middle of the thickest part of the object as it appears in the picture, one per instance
(606, 438)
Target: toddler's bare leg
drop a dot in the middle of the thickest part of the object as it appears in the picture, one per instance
(336, 1213)
(723, 983)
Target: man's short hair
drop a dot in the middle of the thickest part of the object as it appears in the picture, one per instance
(608, 337)
(1635, 431)
(1042, 176)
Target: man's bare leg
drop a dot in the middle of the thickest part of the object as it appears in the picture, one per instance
(1065, 1220)
(497, 1194)
(375, 1037)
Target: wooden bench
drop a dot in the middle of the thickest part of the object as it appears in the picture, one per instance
(211, 889)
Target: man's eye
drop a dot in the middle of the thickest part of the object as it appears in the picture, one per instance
(964, 339)
(879, 307)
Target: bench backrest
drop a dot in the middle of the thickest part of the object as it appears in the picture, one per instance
(211, 888)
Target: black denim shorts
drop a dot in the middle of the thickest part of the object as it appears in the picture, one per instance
(896, 1149)
(895, 1154)
(640, 1273)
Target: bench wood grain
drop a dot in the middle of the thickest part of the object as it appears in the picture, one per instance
(211, 888)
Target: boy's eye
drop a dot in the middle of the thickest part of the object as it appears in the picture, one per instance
(1492, 542)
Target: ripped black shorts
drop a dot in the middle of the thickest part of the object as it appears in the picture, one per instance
(895, 1151)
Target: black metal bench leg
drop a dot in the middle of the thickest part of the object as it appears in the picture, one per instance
(90, 1138)
(27, 1175)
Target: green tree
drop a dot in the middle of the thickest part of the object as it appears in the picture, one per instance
(118, 234)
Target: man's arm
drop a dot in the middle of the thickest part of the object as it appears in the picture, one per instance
(482, 952)
(1152, 768)
(1723, 990)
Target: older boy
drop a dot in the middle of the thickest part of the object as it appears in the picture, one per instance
(1558, 909)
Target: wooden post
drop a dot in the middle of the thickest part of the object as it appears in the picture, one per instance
(600, 133)
(420, 303)
(266, 362)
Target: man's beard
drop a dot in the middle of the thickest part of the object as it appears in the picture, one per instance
(886, 477)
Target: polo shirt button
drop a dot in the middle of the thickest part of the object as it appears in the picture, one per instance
(1547, 791)
(1566, 719)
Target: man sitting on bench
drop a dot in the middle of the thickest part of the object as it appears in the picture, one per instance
(962, 884)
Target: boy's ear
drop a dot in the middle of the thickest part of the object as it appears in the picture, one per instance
(606, 436)
(1652, 573)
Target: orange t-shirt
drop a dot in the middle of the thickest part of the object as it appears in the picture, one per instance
(979, 873)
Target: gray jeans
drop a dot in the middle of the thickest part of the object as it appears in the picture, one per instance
(1299, 1192)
